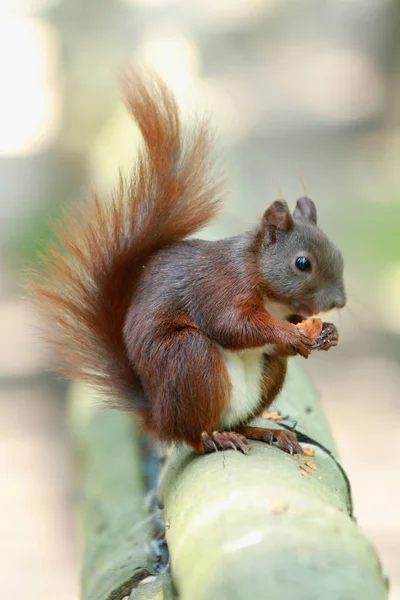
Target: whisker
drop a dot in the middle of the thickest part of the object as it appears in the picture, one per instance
(354, 314)
(368, 309)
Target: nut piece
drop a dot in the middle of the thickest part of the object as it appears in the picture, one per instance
(271, 416)
(312, 327)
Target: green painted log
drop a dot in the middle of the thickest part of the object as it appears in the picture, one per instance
(253, 528)
(117, 531)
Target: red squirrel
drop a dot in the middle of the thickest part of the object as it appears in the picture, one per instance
(191, 335)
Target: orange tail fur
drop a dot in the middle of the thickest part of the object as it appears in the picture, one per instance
(84, 289)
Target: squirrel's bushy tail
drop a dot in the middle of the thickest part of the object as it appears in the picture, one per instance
(85, 287)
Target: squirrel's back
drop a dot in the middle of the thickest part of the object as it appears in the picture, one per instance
(85, 288)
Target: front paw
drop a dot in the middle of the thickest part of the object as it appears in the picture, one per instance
(293, 340)
(329, 338)
(301, 343)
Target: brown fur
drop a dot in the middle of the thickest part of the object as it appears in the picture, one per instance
(139, 312)
(274, 374)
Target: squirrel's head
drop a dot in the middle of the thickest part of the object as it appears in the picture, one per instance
(302, 267)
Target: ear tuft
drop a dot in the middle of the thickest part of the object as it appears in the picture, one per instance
(305, 210)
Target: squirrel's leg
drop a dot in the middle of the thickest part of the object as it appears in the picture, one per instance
(274, 372)
(189, 389)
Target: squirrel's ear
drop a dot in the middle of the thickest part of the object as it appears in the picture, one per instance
(305, 210)
(277, 217)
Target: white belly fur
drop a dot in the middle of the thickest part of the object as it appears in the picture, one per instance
(245, 372)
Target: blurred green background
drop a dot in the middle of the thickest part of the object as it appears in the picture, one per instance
(296, 90)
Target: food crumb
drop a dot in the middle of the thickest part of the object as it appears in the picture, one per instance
(305, 471)
(272, 416)
(309, 451)
(310, 464)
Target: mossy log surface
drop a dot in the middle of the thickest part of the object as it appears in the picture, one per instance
(117, 530)
(252, 527)
(238, 527)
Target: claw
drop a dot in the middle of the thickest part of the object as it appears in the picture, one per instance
(224, 440)
(208, 443)
(287, 440)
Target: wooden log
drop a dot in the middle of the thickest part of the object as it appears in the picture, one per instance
(117, 530)
(253, 527)
(238, 527)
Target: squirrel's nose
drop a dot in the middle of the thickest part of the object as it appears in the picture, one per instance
(340, 301)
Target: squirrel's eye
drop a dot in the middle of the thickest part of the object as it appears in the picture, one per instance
(303, 264)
